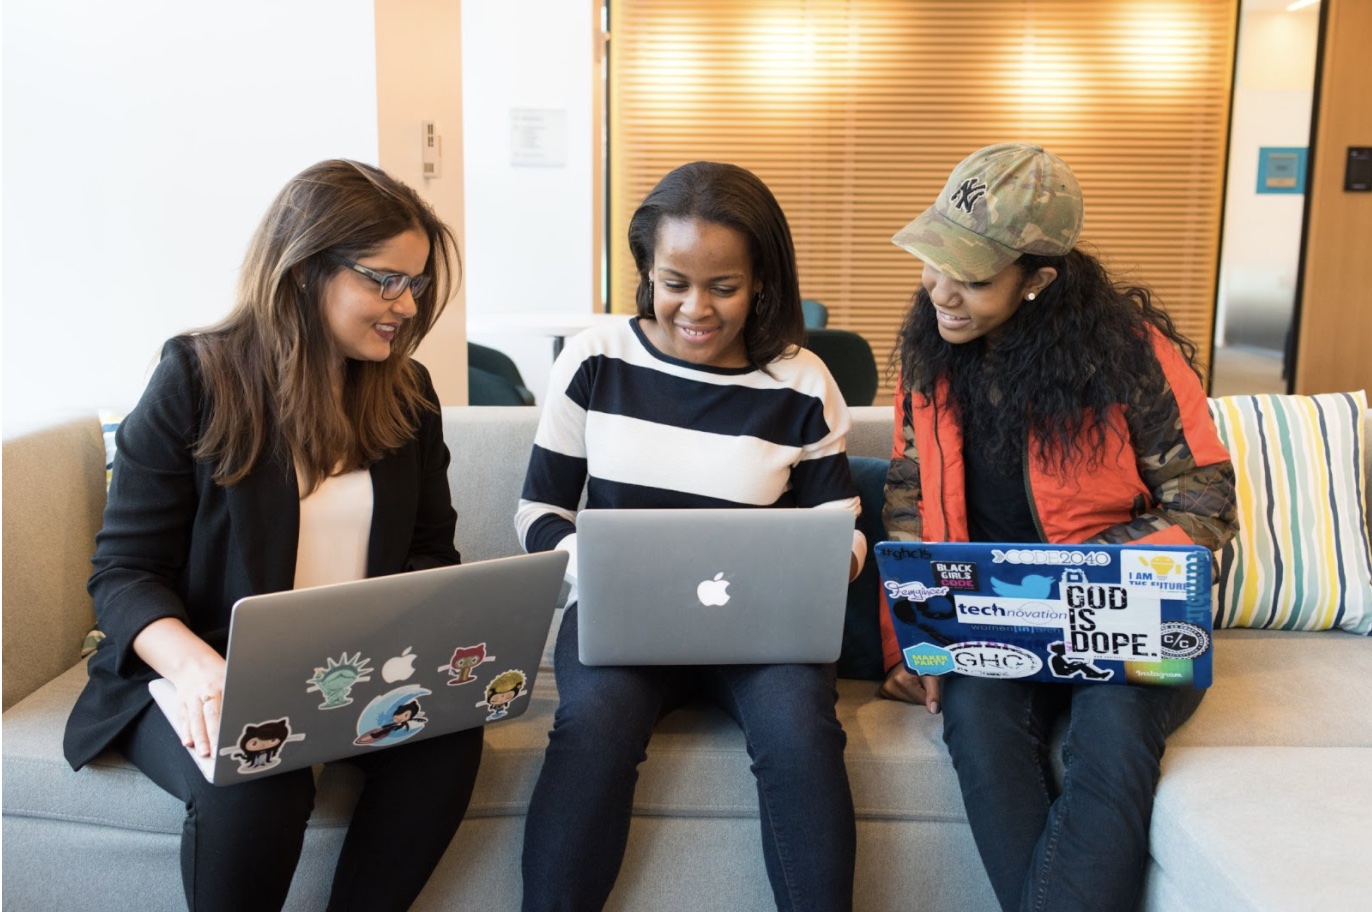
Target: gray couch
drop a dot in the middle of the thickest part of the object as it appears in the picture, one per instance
(1265, 801)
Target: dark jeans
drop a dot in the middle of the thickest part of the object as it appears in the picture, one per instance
(241, 842)
(1078, 847)
(578, 822)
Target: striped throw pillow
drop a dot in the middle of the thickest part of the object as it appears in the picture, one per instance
(1301, 559)
(109, 424)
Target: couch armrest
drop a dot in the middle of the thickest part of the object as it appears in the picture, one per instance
(54, 495)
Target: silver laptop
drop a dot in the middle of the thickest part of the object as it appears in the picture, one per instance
(711, 587)
(335, 671)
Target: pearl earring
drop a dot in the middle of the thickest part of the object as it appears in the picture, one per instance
(1030, 296)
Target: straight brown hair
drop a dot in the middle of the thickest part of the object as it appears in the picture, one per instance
(270, 366)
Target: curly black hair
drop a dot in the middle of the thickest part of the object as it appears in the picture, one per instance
(1062, 361)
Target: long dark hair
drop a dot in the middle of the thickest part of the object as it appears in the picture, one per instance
(270, 365)
(1061, 362)
(733, 196)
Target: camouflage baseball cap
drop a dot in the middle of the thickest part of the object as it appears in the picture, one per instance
(999, 202)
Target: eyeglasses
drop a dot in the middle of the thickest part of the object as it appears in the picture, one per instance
(393, 284)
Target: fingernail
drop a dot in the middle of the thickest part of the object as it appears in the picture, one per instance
(933, 707)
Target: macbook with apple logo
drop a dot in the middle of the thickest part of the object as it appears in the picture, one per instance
(711, 586)
(329, 672)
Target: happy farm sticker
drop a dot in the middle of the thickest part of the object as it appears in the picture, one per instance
(336, 679)
(463, 663)
(259, 745)
(392, 717)
(503, 690)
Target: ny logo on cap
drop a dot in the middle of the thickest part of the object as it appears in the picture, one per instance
(966, 195)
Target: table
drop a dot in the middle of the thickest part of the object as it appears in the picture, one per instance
(557, 324)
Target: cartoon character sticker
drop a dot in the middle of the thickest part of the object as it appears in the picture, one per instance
(503, 690)
(392, 717)
(464, 662)
(336, 679)
(1064, 666)
(259, 745)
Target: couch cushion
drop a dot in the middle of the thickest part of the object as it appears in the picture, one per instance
(1285, 688)
(490, 448)
(1301, 559)
(1249, 828)
(697, 766)
(698, 763)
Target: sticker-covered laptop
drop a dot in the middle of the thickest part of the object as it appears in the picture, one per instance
(711, 586)
(330, 672)
(1110, 614)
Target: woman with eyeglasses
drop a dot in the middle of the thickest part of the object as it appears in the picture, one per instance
(295, 443)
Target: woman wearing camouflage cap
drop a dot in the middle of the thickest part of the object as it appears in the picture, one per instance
(1040, 401)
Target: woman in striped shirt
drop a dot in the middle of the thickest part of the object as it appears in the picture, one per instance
(704, 399)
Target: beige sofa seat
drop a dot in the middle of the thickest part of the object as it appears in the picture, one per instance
(1287, 718)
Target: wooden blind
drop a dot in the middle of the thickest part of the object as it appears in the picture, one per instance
(855, 112)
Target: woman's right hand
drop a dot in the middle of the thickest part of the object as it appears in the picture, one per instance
(912, 688)
(197, 672)
(200, 691)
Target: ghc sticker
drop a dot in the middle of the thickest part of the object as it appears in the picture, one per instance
(928, 659)
(995, 660)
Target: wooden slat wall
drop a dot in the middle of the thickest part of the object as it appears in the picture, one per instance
(854, 113)
(1335, 348)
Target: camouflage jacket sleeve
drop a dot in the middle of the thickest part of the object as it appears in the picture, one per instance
(1200, 499)
(900, 509)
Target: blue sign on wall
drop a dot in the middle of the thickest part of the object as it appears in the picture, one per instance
(1281, 169)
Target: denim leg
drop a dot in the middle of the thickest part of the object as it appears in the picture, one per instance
(578, 821)
(997, 734)
(796, 742)
(1094, 850)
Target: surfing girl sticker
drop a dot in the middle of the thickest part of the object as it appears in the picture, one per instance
(392, 717)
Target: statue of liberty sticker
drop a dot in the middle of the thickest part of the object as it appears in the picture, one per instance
(336, 679)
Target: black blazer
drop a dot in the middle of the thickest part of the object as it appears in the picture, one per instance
(175, 544)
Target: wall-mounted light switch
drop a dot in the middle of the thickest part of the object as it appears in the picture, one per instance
(431, 149)
(1357, 174)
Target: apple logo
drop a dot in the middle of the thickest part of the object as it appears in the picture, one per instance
(713, 591)
(398, 668)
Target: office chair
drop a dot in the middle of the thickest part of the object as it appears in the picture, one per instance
(493, 378)
(850, 359)
(816, 314)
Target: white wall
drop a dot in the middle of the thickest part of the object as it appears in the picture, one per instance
(1274, 82)
(530, 230)
(142, 142)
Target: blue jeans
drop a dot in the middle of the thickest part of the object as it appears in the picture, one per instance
(578, 821)
(1080, 846)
